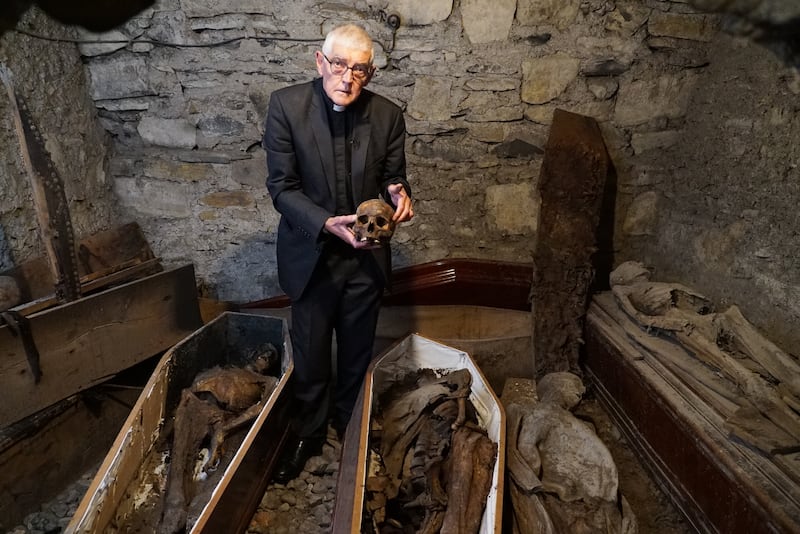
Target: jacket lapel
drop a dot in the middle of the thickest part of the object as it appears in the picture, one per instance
(319, 123)
(358, 155)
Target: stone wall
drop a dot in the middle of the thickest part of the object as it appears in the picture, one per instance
(51, 78)
(700, 126)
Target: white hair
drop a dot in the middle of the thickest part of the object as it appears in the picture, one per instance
(351, 35)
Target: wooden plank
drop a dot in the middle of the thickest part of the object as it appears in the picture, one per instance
(462, 281)
(82, 343)
(39, 461)
(92, 282)
(571, 182)
(49, 199)
(96, 253)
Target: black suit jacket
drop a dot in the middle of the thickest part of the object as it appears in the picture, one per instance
(301, 171)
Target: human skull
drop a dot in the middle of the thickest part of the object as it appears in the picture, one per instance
(374, 221)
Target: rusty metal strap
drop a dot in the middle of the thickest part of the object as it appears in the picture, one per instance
(49, 198)
(20, 327)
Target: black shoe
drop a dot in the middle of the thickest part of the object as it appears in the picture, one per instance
(294, 458)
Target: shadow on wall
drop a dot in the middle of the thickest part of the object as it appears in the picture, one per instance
(94, 15)
(6, 259)
(774, 24)
(246, 271)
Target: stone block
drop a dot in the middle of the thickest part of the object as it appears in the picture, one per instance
(175, 133)
(431, 100)
(694, 27)
(156, 199)
(544, 79)
(512, 208)
(642, 213)
(558, 13)
(487, 20)
(420, 12)
(119, 77)
(643, 100)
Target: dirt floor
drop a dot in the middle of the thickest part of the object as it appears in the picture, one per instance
(655, 513)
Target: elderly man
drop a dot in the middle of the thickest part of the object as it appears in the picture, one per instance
(331, 144)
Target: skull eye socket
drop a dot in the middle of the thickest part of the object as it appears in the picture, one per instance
(380, 221)
(363, 219)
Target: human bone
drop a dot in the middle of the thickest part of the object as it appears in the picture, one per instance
(374, 221)
(219, 401)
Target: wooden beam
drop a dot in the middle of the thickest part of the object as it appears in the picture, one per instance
(571, 182)
(49, 199)
(84, 342)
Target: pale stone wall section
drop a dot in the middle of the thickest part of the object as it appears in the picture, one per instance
(642, 213)
(644, 100)
(420, 12)
(512, 208)
(642, 142)
(543, 79)
(697, 28)
(559, 13)
(487, 20)
(174, 133)
(431, 100)
(158, 199)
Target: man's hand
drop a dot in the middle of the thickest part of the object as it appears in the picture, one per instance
(342, 227)
(404, 210)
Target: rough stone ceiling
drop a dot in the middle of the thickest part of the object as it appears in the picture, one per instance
(774, 24)
(94, 15)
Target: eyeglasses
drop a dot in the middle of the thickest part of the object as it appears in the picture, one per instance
(361, 71)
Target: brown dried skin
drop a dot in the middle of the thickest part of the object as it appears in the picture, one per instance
(233, 388)
(374, 222)
(220, 401)
(427, 472)
(471, 463)
(414, 434)
(193, 418)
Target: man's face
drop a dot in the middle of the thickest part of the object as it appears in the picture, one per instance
(342, 89)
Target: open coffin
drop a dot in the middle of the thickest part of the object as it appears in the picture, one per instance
(410, 355)
(132, 477)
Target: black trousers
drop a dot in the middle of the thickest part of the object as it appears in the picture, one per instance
(343, 295)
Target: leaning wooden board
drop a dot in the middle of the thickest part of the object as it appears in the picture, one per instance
(84, 342)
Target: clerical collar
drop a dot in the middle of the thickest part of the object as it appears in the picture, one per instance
(337, 107)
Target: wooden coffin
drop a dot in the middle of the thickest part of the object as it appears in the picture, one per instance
(497, 339)
(230, 339)
(720, 484)
(84, 342)
(408, 355)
